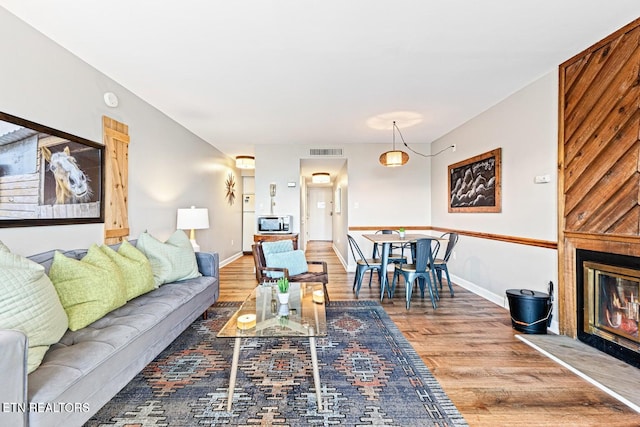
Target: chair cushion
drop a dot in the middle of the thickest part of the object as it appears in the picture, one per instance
(294, 261)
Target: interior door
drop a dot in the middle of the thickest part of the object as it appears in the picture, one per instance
(320, 211)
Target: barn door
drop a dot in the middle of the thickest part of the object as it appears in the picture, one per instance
(116, 141)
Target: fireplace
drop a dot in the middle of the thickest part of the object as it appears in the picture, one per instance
(607, 303)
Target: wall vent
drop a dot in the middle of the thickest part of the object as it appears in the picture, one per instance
(325, 152)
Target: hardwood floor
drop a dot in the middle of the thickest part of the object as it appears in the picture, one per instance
(468, 343)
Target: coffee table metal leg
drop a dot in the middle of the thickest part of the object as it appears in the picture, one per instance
(316, 371)
(234, 371)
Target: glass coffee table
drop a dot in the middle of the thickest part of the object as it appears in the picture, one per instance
(262, 316)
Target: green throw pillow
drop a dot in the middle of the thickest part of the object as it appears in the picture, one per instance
(29, 303)
(96, 257)
(135, 268)
(172, 260)
(87, 292)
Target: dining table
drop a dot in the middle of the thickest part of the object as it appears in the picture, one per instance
(386, 240)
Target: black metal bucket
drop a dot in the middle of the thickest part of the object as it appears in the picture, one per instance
(530, 310)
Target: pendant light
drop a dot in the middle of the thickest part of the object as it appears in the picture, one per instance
(394, 157)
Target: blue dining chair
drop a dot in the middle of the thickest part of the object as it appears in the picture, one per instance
(440, 264)
(421, 271)
(362, 264)
(394, 257)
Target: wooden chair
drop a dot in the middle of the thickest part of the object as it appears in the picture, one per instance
(318, 274)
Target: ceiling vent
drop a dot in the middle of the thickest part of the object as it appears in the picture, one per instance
(325, 152)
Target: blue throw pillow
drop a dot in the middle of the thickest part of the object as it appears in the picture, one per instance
(276, 246)
(294, 261)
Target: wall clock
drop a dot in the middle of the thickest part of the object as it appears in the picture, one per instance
(230, 184)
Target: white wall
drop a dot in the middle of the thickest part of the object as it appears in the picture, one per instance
(373, 195)
(169, 167)
(341, 219)
(525, 127)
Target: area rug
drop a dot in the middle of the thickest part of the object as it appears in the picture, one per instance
(369, 374)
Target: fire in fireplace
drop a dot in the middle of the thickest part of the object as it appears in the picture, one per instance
(608, 307)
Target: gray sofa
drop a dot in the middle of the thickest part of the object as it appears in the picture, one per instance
(83, 371)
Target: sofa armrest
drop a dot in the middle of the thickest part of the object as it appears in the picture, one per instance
(208, 263)
(13, 371)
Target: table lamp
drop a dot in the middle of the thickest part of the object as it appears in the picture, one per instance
(193, 219)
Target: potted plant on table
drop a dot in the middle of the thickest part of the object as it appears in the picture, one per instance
(401, 231)
(283, 290)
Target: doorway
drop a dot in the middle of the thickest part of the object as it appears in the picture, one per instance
(320, 213)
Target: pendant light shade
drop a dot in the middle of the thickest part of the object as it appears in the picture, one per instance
(394, 157)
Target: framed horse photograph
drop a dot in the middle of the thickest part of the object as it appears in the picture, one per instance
(47, 176)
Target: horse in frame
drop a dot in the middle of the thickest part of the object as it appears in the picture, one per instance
(72, 185)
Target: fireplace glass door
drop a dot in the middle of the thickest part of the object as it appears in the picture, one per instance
(611, 308)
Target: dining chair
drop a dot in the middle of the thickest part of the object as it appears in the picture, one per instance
(393, 257)
(362, 264)
(421, 270)
(440, 264)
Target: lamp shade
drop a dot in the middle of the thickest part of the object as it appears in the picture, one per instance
(321, 178)
(193, 218)
(394, 158)
(245, 162)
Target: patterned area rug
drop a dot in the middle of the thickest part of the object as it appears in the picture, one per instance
(370, 375)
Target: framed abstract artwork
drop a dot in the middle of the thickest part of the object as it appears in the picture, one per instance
(474, 184)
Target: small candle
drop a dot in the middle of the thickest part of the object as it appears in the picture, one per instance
(318, 296)
(246, 321)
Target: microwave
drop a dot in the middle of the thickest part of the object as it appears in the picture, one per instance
(275, 224)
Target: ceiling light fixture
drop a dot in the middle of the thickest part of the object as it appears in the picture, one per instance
(394, 157)
(245, 162)
(321, 178)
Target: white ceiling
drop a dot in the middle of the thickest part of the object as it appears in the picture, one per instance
(245, 72)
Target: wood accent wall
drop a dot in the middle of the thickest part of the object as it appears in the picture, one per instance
(598, 157)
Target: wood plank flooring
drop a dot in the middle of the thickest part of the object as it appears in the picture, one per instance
(493, 378)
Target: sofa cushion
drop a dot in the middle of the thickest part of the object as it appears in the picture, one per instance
(171, 261)
(29, 303)
(135, 267)
(87, 291)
